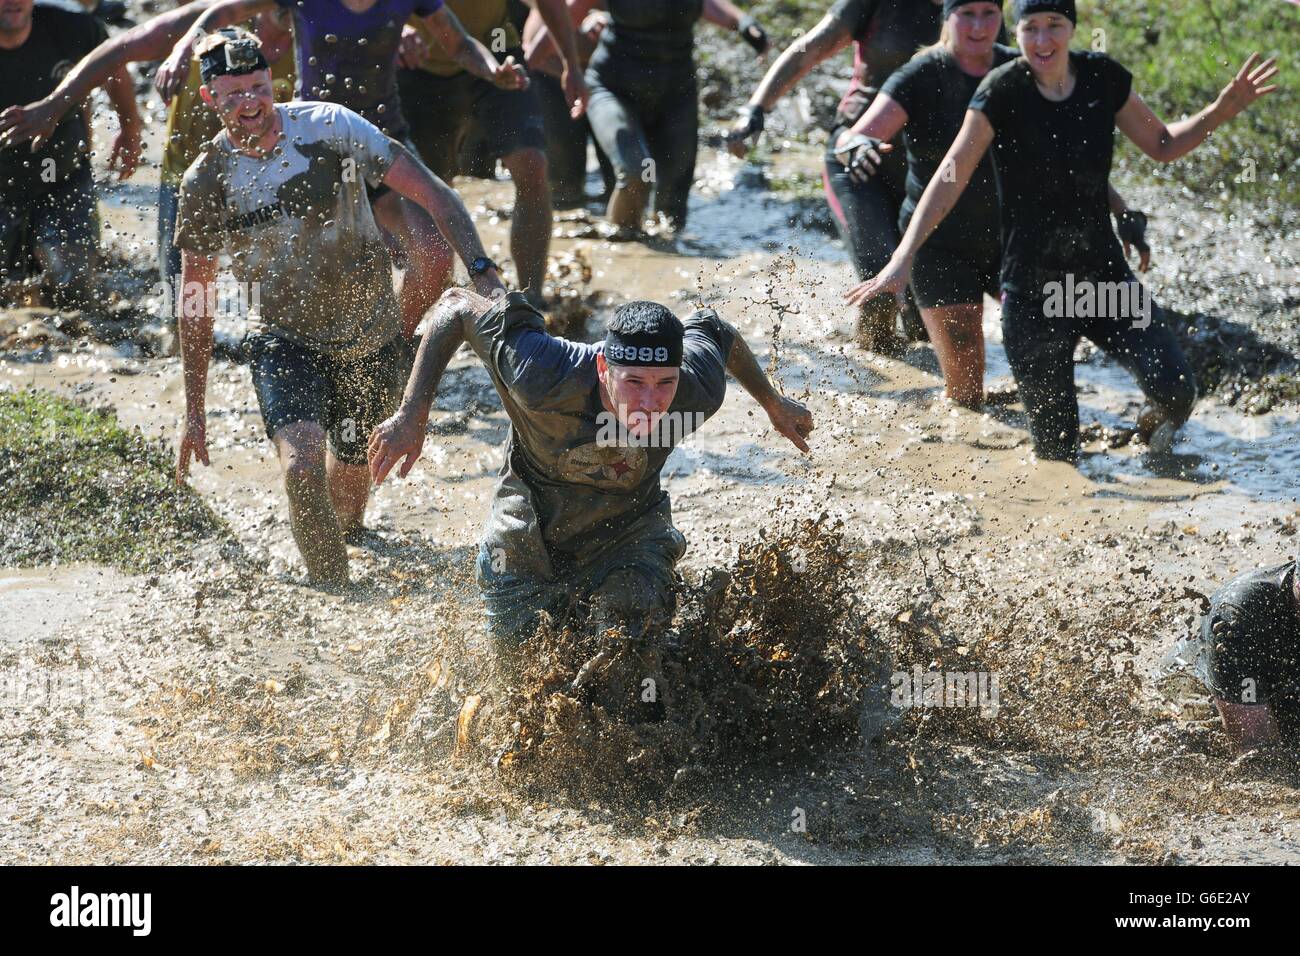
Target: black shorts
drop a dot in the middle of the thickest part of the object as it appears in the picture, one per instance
(441, 110)
(348, 399)
(948, 275)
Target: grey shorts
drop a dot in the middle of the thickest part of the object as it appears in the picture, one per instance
(631, 581)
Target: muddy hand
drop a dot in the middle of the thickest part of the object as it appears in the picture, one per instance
(892, 280)
(194, 444)
(173, 71)
(35, 122)
(1132, 229)
(411, 49)
(861, 155)
(576, 93)
(793, 420)
(510, 75)
(749, 125)
(125, 156)
(400, 437)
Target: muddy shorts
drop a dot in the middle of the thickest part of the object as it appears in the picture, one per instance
(348, 399)
(56, 236)
(946, 275)
(631, 581)
(442, 109)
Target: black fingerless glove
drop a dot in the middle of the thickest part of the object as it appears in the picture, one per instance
(1132, 228)
(753, 117)
(752, 33)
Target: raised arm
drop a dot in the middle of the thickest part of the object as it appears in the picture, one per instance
(792, 419)
(151, 40)
(1168, 143)
(175, 69)
(941, 195)
(823, 41)
(473, 56)
(401, 437)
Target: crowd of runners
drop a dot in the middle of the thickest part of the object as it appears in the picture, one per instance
(309, 147)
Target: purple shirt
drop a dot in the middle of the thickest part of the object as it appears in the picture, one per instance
(351, 58)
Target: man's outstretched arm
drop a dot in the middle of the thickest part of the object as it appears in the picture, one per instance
(402, 435)
(792, 419)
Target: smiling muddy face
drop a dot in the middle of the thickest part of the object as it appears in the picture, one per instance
(640, 366)
(237, 84)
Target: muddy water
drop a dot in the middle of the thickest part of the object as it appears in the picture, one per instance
(244, 717)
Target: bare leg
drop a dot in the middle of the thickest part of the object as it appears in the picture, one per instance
(301, 447)
(530, 230)
(627, 205)
(957, 335)
(349, 491)
(429, 259)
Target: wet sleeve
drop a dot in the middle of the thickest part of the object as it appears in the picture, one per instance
(425, 7)
(1119, 84)
(523, 358)
(990, 97)
(909, 83)
(705, 347)
(200, 210)
(356, 137)
(855, 15)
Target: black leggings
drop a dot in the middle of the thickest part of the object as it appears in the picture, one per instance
(649, 129)
(566, 144)
(1041, 353)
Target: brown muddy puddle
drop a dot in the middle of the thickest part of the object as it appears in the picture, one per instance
(243, 717)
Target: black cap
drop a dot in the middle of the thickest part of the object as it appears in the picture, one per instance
(1064, 7)
(950, 6)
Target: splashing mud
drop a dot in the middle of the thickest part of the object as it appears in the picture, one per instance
(766, 660)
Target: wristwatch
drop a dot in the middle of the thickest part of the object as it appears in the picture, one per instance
(481, 265)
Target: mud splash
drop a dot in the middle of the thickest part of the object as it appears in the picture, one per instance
(765, 661)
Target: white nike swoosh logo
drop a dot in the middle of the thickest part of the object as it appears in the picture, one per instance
(1093, 103)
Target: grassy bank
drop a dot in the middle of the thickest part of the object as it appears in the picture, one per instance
(76, 486)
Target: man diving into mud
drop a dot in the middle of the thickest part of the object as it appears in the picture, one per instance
(579, 518)
(283, 189)
(1246, 654)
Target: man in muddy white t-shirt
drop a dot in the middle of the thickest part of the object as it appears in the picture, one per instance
(282, 189)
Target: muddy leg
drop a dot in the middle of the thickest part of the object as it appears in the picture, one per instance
(315, 524)
(957, 335)
(349, 492)
(876, 330)
(530, 230)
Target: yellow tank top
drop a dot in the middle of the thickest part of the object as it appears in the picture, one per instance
(487, 21)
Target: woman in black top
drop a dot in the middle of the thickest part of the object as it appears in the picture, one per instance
(885, 35)
(927, 98)
(644, 107)
(1050, 117)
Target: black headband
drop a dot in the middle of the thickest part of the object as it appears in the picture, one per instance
(646, 349)
(238, 56)
(1064, 7)
(950, 6)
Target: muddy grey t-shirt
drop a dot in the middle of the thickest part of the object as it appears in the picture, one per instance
(566, 488)
(299, 228)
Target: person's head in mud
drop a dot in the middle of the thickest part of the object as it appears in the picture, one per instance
(640, 365)
(1044, 29)
(970, 27)
(237, 84)
(15, 21)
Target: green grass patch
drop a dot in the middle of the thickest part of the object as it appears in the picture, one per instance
(77, 486)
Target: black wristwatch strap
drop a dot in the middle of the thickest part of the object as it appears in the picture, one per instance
(481, 265)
